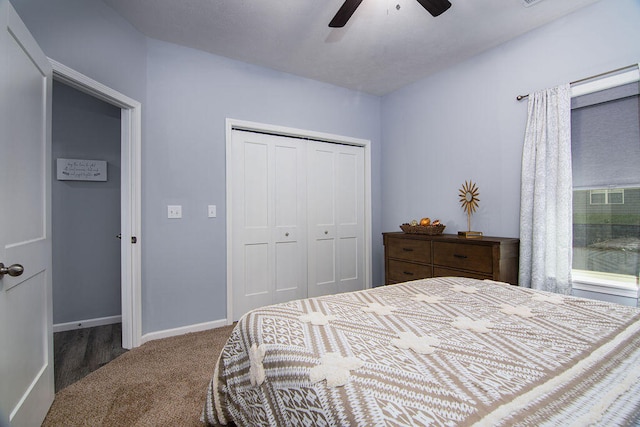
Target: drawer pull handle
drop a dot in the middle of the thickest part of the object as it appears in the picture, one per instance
(408, 273)
(407, 249)
(460, 256)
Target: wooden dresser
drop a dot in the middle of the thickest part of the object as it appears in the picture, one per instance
(418, 256)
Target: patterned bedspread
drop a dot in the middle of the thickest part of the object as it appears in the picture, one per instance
(434, 352)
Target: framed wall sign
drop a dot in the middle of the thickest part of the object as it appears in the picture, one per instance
(81, 170)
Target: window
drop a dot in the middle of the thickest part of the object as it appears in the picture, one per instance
(607, 196)
(615, 197)
(605, 139)
(598, 197)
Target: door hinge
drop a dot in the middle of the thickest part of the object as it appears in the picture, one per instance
(134, 239)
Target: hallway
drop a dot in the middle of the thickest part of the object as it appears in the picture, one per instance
(79, 352)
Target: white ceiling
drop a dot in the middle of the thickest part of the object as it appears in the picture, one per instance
(381, 48)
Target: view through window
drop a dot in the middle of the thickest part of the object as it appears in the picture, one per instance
(605, 140)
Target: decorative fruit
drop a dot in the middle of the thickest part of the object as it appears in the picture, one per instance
(425, 221)
(436, 222)
(414, 222)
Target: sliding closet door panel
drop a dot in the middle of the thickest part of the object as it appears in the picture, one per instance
(350, 217)
(336, 218)
(269, 210)
(321, 198)
(322, 218)
(290, 208)
(252, 285)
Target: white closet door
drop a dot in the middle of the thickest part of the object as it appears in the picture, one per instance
(336, 218)
(269, 220)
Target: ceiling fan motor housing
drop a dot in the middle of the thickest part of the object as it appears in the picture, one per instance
(434, 7)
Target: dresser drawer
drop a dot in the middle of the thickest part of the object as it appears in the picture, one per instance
(410, 250)
(400, 271)
(463, 256)
(444, 272)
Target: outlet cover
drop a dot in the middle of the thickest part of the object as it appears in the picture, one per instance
(174, 211)
(211, 211)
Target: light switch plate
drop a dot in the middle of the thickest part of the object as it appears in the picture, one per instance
(174, 211)
(211, 211)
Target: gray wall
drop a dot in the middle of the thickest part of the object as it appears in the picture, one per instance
(186, 96)
(85, 215)
(91, 38)
(190, 93)
(465, 123)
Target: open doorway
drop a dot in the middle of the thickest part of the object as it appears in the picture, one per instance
(130, 194)
(86, 223)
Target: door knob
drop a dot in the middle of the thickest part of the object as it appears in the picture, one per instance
(13, 270)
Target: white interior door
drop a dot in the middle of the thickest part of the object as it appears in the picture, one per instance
(336, 218)
(269, 220)
(26, 339)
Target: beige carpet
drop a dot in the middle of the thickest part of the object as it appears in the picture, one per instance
(162, 382)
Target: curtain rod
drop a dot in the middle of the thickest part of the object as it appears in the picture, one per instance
(521, 97)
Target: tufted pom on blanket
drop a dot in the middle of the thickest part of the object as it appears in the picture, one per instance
(482, 326)
(335, 369)
(421, 345)
(377, 308)
(256, 370)
(518, 310)
(316, 318)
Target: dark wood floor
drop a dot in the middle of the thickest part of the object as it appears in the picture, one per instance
(81, 351)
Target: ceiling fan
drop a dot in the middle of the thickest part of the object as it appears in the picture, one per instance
(434, 7)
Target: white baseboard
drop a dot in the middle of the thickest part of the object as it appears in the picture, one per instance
(88, 323)
(183, 330)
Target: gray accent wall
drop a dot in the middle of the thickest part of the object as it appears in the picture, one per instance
(85, 214)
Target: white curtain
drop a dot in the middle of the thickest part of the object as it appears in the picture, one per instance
(546, 225)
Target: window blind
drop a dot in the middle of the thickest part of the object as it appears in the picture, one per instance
(605, 138)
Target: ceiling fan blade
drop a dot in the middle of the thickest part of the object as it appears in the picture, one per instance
(435, 7)
(345, 12)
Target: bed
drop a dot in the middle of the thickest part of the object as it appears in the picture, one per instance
(435, 352)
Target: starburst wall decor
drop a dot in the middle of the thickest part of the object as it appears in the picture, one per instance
(469, 200)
